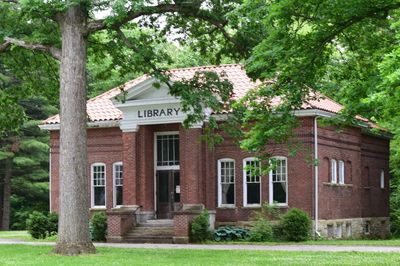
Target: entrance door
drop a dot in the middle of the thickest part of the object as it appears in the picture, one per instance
(167, 180)
(168, 193)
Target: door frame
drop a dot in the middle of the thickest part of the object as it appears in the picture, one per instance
(156, 168)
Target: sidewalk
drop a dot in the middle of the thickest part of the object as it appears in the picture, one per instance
(294, 247)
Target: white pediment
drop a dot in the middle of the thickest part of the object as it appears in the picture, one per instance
(145, 104)
(148, 89)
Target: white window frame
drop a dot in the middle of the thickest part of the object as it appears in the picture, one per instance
(271, 190)
(220, 185)
(250, 159)
(341, 172)
(333, 171)
(92, 185)
(114, 182)
(382, 179)
(164, 167)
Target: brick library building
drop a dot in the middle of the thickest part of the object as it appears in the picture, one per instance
(148, 172)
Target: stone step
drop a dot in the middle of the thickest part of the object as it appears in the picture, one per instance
(157, 223)
(160, 233)
(163, 240)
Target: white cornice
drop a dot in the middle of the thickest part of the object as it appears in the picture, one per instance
(96, 124)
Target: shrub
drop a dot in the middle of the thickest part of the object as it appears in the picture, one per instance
(98, 226)
(199, 228)
(229, 233)
(295, 225)
(40, 225)
(261, 231)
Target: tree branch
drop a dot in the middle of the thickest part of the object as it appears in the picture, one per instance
(51, 50)
(10, 1)
(101, 24)
(130, 45)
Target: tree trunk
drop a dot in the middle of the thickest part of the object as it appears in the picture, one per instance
(73, 231)
(5, 221)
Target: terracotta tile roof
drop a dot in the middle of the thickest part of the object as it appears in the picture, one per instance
(101, 107)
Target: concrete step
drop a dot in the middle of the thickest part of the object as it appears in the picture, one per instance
(164, 240)
(152, 231)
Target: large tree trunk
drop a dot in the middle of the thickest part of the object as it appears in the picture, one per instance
(73, 231)
(5, 217)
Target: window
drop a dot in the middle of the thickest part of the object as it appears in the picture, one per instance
(251, 184)
(339, 230)
(367, 227)
(278, 181)
(226, 182)
(118, 183)
(382, 179)
(341, 172)
(167, 149)
(98, 185)
(333, 171)
(348, 230)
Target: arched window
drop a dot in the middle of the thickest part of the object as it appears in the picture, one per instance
(226, 182)
(251, 182)
(278, 181)
(98, 174)
(118, 183)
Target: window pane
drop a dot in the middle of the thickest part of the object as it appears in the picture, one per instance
(279, 192)
(253, 193)
(99, 196)
(228, 193)
(167, 150)
(118, 196)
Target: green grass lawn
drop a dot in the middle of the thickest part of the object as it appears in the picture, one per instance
(41, 255)
(22, 235)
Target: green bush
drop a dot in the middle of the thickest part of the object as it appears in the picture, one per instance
(229, 233)
(261, 231)
(98, 226)
(41, 225)
(199, 228)
(295, 225)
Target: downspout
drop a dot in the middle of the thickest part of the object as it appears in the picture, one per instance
(316, 233)
(50, 180)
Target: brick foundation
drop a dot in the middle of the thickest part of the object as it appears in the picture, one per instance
(119, 222)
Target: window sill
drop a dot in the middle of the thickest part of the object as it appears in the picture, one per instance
(337, 185)
(258, 206)
(100, 208)
(226, 207)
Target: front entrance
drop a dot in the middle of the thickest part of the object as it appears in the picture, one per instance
(167, 177)
(168, 193)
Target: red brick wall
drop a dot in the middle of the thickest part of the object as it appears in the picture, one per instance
(104, 146)
(199, 169)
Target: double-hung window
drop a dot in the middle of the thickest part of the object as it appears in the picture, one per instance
(278, 181)
(333, 171)
(252, 182)
(341, 172)
(118, 183)
(98, 185)
(226, 182)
